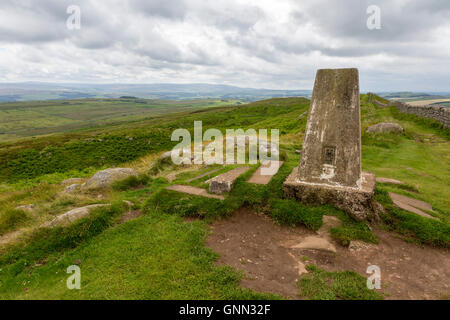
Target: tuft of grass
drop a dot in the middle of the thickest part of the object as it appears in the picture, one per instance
(319, 284)
(291, 212)
(11, 219)
(131, 182)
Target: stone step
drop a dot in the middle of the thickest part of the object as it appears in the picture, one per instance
(224, 182)
(259, 178)
(411, 201)
(411, 205)
(194, 191)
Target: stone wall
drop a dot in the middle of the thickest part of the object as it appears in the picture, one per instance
(438, 113)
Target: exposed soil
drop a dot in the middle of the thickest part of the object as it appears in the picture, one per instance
(253, 244)
(131, 214)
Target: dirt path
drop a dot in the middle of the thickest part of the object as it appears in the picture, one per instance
(254, 244)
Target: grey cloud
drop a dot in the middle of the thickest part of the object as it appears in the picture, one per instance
(225, 41)
(174, 9)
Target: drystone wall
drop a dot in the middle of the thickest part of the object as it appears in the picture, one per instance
(438, 113)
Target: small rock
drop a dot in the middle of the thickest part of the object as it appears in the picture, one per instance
(78, 261)
(27, 207)
(72, 187)
(298, 151)
(385, 127)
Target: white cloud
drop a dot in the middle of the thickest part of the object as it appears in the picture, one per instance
(264, 43)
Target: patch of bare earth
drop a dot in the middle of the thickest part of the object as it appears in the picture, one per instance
(255, 245)
(131, 214)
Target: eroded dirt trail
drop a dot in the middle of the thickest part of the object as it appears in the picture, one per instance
(253, 244)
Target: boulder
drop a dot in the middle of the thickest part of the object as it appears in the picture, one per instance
(385, 127)
(104, 178)
(72, 215)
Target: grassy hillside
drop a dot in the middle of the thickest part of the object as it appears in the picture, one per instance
(24, 119)
(161, 256)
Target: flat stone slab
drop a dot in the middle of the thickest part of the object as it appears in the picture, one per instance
(315, 243)
(321, 241)
(411, 201)
(194, 191)
(412, 205)
(259, 178)
(224, 182)
(388, 180)
(357, 202)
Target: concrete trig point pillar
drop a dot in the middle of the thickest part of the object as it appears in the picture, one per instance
(330, 166)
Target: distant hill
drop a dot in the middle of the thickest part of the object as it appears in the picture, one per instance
(28, 91)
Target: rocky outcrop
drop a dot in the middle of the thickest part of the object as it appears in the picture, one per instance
(385, 127)
(72, 216)
(104, 178)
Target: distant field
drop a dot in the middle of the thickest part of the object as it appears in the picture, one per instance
(428, 102)
(32, 118)
(446, 104)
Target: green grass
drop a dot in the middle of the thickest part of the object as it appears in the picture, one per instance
(153, 257)
(319, 284)
(267, 199)
(131, 182)
(45, 241)
(158, 256)
(113, 145)
(33, 118)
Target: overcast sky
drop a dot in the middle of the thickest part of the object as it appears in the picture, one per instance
(262, 44)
